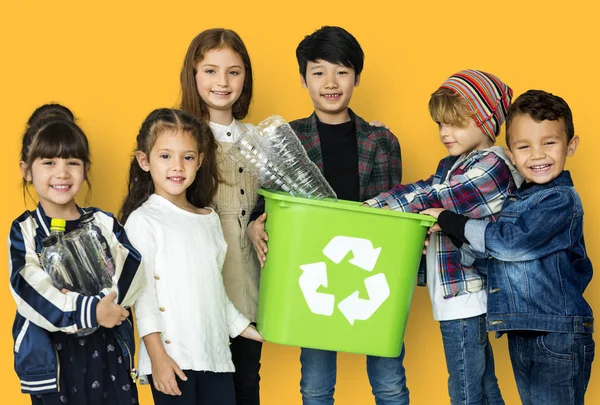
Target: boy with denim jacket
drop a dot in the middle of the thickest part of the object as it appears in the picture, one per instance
(476, 177)
(537, 261)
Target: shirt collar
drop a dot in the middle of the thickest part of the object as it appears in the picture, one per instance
(564, 180)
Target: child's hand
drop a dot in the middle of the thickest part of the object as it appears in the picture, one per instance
(251, 333)
(386, 207)
(434, 228)
(378, 124)
(434, 212)
(164, 370)
(258, 237)
(109, 314)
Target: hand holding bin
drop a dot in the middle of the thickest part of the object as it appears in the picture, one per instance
(274, 154)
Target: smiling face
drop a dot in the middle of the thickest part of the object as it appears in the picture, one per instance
(56, 181)
(220, 79)
(172, 163)
(330, 87)
(539, 150)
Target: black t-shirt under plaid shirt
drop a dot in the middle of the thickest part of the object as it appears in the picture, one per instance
(340, 158)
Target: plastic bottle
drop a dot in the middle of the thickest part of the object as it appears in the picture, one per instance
(92, 253)
(275, 155)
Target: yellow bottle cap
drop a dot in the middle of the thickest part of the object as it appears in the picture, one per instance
(58, 224)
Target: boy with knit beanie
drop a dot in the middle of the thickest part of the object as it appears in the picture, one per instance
(474, 180)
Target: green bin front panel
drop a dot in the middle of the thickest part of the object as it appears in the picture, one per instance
(338, 276)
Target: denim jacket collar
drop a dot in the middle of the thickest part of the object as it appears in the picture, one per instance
(527, 189)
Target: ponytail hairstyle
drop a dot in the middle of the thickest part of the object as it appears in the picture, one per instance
(164, 120)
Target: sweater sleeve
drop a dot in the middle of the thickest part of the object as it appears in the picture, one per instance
(477, 192)
(147, 314)
(236, 321)
(127, 261)
(36, 297)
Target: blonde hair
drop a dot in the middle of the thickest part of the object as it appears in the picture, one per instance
(448, 107)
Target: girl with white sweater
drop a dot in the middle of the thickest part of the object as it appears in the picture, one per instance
(184, 316)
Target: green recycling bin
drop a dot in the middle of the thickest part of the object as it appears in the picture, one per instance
(338, 276)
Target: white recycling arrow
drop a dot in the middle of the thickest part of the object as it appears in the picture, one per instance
(355, 308)
(315, 275)
(365, 256)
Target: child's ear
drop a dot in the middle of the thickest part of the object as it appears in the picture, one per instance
(142, 160)
(25, 171)
(510, 155)
(303, 81)
(200, 160)
(572, 146)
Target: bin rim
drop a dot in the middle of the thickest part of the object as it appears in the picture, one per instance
(346, 205)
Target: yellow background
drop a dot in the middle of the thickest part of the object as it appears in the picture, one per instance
(113, 62)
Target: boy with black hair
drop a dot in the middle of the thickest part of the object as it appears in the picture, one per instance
(359, 161)
(537, 263)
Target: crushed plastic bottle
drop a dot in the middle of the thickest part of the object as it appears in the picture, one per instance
(274, 154)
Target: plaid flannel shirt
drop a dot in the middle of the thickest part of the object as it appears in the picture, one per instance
(475, 186)
(379, 161)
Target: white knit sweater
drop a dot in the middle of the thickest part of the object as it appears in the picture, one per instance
(185, 300)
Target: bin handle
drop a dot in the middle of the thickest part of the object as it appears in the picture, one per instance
(426, 224)
(284, 204)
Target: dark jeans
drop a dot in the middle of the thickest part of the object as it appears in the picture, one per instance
(201, 388)
(245, 354)
(551, 368)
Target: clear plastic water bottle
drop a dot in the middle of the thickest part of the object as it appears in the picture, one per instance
(58, 262)
(57, 227)
(92, 253)
(64, 269)
(274, 154)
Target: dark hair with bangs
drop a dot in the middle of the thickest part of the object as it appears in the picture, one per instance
(215, 38)
(52, 133)
(331, 44)
(540, 106)
(140, 186)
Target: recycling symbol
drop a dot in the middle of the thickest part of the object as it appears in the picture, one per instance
(352, 307)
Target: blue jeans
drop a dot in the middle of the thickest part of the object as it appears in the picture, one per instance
(551, 368)
(319, 370)
(470, 362)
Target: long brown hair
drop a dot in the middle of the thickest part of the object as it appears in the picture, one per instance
(140, 186)
(215, 38)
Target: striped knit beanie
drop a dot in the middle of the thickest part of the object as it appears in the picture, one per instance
(487, 96)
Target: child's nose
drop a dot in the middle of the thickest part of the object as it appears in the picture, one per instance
(537, 152)
(223, 79)
(62, 170)
(330, 80)
(444, 130)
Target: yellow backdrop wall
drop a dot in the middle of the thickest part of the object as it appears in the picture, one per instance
(113, 62)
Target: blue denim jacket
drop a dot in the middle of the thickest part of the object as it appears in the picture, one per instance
(538, 267)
